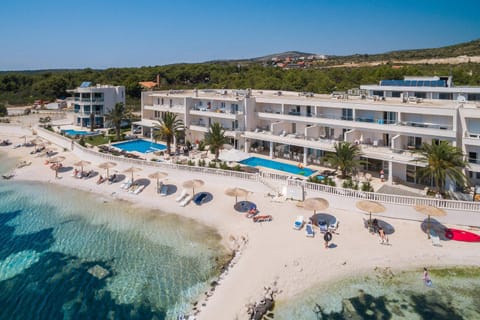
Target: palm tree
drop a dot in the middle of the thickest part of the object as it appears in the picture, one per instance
(345, 158)
(215, 137)
(168, 127)
(442, 160)
(92, 121)
(115, 116)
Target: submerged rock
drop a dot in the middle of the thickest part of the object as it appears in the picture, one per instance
(98, 272)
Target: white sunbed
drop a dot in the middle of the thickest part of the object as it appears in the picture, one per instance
(298, 224)
(164, 190)
(309, 230)
(435, 238)
(186, 201)
(139, 189)
(181, 196)
(333, 225)
(126, 184)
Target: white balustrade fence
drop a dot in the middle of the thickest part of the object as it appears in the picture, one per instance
(270, 177)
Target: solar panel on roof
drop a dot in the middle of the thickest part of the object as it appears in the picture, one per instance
(85, 84)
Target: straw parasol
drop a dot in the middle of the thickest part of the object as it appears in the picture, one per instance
(81, 164)
(236, 192)
(370, 207)
(430, 211)
(55, 160)
(315, 204)
(107, 165)
(132, 170)
(158, 175)
(194, 183)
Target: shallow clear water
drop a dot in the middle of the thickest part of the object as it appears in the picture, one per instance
(67, 254)
(276, 165)
(455, 294)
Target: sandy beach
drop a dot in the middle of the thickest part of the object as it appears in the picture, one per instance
(270, 252)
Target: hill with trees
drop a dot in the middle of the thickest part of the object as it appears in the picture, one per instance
(24, 87)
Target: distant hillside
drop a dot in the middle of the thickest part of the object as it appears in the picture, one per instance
(267, 58)
(471, 48)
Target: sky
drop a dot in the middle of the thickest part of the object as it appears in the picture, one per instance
(54, 34)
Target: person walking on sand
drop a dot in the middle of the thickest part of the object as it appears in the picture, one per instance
(327, 237)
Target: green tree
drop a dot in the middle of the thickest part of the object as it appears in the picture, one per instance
(345, 157)
(3, 110)
(115, 117)
(442, 160)
(168, 127)
(215, 137)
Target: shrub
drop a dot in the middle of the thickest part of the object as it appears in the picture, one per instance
(81, 142)
(212, 164)
(190, 163)
(366, 186)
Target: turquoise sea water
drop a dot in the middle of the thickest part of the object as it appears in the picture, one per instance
(455, 294)
(66, 254)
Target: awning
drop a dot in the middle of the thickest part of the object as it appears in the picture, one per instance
(146, 123)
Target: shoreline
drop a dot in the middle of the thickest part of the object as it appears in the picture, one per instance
(274, 252)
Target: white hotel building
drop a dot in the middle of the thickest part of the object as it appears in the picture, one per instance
(97, 99)
(388, 120)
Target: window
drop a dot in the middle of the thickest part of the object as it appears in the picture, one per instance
(472, 157)
(347, 114)
(473, 97)
(445, 96)
(478, 175)
(422, 95)
(396, 94)
(378, 93)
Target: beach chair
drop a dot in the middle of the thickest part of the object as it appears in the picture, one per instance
(185, 201)
(332, 227)
(298, 223)
(309, 230)
(164, 190)
(200, 198)
(139, 189)
(126, 185)
(181, 196)
(435, 238)
(322, 224)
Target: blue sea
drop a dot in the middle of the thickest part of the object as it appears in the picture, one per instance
(66, 254)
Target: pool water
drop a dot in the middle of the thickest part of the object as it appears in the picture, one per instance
(271, 164)
(71, 132)
(140, 145)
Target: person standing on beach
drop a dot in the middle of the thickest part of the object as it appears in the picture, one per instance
(426, 277)
(327, 237)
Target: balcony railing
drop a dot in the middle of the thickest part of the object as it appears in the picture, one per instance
(426, 125)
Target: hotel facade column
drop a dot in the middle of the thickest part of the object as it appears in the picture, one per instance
(247, 145)
(390, 172)
(271, 149)
(305, 154)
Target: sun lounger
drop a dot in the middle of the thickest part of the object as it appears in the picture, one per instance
(139, 189)
(333, 225)
(435, 238)
(322, 224)
(126, 184)
(298, 224)
(181, 196)
(185, 201)
(200, 198)
(309, 230)
(163, 190)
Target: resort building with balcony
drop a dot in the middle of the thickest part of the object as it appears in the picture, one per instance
(97, 99)
(389, 121)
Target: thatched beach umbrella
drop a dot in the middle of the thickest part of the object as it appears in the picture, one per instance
(236, 192)
(107, 166)
(158, 175)
(132, 170)
(81, 164)
(370, 207)
(194, 183)
(25, 139)
(315, 204)
(56, 160)
(430, 211)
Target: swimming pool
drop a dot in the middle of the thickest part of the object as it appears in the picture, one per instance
(271, 164)
(140, 145)
(71, 132)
